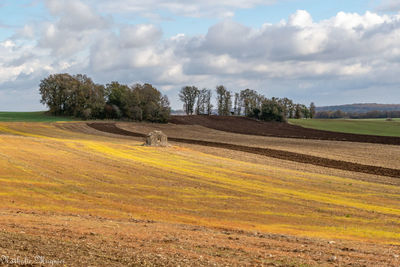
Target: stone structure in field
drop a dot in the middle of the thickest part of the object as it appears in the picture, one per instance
(157, 138)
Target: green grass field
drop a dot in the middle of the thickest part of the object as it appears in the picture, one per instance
(361, 126)
(39, 116)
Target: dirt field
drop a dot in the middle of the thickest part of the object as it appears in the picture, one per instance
(248, 126)
(78, 196)
(94, 241)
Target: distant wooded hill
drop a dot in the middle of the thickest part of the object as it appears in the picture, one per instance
(361, 108)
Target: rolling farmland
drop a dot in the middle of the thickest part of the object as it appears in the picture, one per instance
(192, 133)
(109, 188)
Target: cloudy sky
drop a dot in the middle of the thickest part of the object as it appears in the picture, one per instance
(329, 52)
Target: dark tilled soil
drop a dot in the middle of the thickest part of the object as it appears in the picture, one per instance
(279, 154)
(243, 125)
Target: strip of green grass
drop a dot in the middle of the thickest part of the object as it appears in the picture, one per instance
(362, 126)
(39, 116)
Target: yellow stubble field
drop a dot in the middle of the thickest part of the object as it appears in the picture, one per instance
(46, 168)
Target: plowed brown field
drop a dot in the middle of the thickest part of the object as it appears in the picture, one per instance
(37, 239)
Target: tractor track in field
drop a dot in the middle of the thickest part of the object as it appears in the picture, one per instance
(273, 153)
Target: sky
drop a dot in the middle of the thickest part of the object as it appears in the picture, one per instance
(329, 52)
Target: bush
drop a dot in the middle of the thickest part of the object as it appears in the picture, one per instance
(272, 111)
(87, 113)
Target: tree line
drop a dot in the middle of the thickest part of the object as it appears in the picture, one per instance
(78, 96)
(247, 103)
(339, 114)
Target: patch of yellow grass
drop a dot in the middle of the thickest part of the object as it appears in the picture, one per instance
(45, 168)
